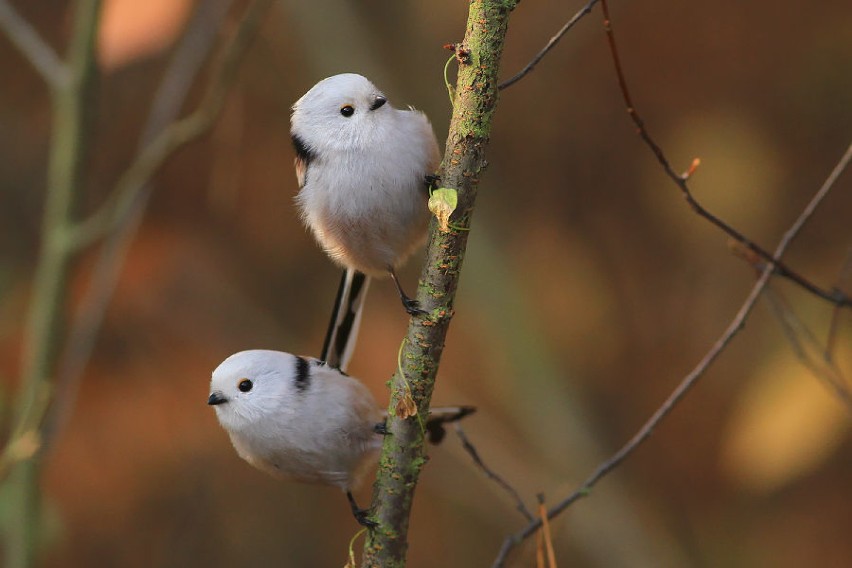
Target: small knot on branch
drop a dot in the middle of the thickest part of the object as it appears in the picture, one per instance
(691, 169)
(462, 53)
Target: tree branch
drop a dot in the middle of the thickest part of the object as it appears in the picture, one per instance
(403, 454)
(68, 148)
(34, 49)
(177, 134)
(807, 348)
(46, 316)
(188, 59)
(63, 237)
(550, 45)
(491, 474)
(835, 296)
(688, 382)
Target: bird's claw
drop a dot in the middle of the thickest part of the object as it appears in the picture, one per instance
(433, 181)
(361, 516)
(413, 307)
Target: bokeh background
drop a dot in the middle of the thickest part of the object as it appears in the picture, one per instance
(588, 291)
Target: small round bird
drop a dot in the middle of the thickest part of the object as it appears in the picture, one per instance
(362, 166)
(301, 420)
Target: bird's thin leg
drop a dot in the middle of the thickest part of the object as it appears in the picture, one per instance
(360, 514)
(411, 306)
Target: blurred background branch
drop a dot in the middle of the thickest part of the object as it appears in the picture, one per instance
(36, 51)
(585, 10)
(690, 380)
(585, 283)
(793, 329)
(186, 62)
(64, 235)
(835, 296)
(491, 474)
(43, 336)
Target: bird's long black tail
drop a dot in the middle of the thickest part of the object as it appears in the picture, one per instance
(342, 331)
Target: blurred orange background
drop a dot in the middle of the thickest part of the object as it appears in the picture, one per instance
(589, 289)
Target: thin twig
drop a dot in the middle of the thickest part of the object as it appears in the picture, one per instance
(45, 322)
(688, 382)
(835, 296)
(37, 52)
(189, 56)
(817, 199)
(491, 474)
(842, 279)
(807, 349)
(550, 45)
(179, 133)
(127, 189)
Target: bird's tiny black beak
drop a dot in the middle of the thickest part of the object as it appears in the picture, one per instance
(377, 102)
(216, 398)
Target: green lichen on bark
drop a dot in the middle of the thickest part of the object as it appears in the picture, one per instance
(404, 453)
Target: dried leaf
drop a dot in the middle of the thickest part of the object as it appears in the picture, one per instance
(406, 407)
(546, 542)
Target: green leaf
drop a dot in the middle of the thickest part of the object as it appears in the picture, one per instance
(442, 203)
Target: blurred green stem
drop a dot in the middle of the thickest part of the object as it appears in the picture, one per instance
(45, 321)
(403, 454)
(64, 235)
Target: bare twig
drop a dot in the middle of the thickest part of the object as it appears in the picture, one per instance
(46, 312)
(809, 209)
(69, 237)
(834, 296)
(179, 133)
(38, 53)
(491, 474)
(188, 59)
(803, 341)
(42, 336)
(688, 382)
(807, 348)
(842, 280)
(550, 45)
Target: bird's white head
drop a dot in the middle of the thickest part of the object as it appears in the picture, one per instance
(340, 112)
(251, 385)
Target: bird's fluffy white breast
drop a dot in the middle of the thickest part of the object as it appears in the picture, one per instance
(367, 204)
(323, 433)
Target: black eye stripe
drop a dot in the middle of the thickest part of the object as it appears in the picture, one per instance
(303, 151)
(245, 385)
(303, 374)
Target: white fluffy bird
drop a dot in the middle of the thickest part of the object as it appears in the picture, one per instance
(301, 420)
(362, 166)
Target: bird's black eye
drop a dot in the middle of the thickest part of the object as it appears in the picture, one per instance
(245, 385)
(347, 110)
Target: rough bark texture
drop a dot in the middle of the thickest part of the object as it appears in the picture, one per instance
(404, 453)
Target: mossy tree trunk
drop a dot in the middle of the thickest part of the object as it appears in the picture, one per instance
(404, 453)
